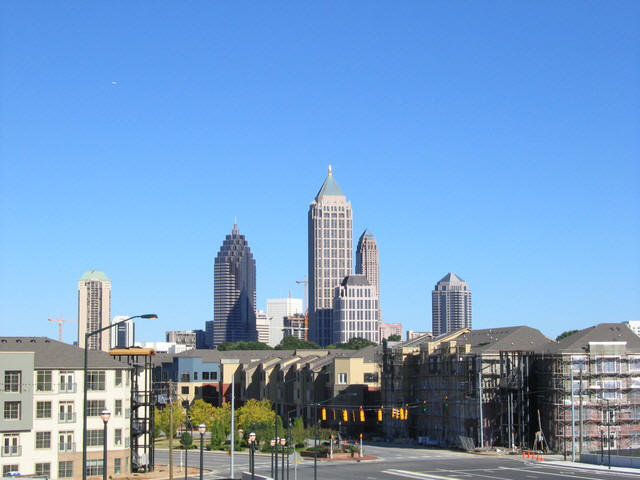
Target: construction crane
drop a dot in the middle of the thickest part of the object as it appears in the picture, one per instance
(304, 282)
(60, 321)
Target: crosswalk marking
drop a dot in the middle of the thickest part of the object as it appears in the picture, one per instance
(417, 475)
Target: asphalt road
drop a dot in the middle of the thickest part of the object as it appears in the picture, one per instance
(397, 463)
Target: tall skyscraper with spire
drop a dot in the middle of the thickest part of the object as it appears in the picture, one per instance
(450, 304)
(234, 292)
(94, 309)
(367, 259)
(330, 255)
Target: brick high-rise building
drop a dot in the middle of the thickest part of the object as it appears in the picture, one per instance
(330, 255)
(94, 309)
(367, 262)
(451, 304)
(234, 292)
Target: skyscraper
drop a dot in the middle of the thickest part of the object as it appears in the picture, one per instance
(122, 335)
(355, 310)
(451, 304)
(277, 309)
(234, 292)
(94, 309)
(367, 262)
(330, 255)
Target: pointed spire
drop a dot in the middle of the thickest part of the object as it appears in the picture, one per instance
(330, 169)
(330, 186)
(235, 229)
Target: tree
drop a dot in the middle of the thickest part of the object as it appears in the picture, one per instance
(293, 343)
(220, 424)
(225, 346)
(201, 412)
(565, 334)
(186, 440)
(297, 431)
(256, 416)
(353, 344)
(394, 338)
(162, 417)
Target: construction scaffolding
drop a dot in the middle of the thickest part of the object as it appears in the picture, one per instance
(141, 406)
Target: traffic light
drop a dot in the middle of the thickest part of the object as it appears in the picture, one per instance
(406, 414)
(361, 414)
(394, 413)
(334, 414)
(379, 414)
(424, 406)
(345, 415)
(446, 400)
(324, 414)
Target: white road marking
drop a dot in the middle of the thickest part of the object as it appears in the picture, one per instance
(555, 473)
(417, 475)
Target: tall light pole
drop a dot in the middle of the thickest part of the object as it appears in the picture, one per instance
(252, 450)
(283, 442)
(86, 384)
(105, 415)
(201, 429)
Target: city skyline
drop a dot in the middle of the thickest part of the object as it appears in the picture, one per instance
(488, 140)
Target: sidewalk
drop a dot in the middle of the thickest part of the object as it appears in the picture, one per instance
(589, 466)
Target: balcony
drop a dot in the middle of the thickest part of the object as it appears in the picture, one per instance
(11, 450)
(67, 417)
(67, 447)
(67, 387)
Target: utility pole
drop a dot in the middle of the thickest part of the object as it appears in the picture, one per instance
(573, 422)
(480, 428)
(581, 413)
(233, 398)
(170, 430)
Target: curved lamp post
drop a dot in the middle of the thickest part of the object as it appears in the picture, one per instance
(105, 415)
(86, 385)
(201, 429)
(252, 450)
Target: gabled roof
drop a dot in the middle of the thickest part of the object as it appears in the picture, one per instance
(578, 342)
(329, 187)
(51, 354)
(492, 340)
(94, 275)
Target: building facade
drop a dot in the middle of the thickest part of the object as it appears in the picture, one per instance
(355, 310)
(94, 309)
(122, 335)
(277, 310)
(367, 260)
(234, 291)
(42, 409)
(330, 254)
(296, 326)
(451, 305)
(388, 329)
(263, 326)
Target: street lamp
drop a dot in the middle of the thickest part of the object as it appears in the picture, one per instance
(252, 449)
(201, 429)
(86, 384)
(283, 442)
(272, 443)
(105, 415)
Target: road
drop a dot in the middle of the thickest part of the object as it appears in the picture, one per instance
(396, 463)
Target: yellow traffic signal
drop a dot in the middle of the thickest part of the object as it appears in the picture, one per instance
(345, 415)
(380, 415)
(406, 414)
(361, 414)
(324, 414)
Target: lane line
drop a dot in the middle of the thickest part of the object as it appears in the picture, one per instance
(555, 473)
(418, 475)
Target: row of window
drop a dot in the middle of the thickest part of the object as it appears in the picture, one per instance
(185, 377)
(65, 468)
(66, 380)
(604, 365)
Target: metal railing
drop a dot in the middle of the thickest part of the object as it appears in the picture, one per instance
(11, 450)
(67, 387)
(67, 417)
(67, 447)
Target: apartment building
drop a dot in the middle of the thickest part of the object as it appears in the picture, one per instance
(41, 401)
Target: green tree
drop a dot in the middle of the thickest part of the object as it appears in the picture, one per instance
(186, 440)
(220, 424)
(225, 346)
(201, 412)
(162, 418)
(293, 343)
(565, 334)
(256, 416)
(353, 344)
(297, 431)
(394, 338)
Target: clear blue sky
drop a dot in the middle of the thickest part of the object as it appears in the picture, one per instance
(498, 140)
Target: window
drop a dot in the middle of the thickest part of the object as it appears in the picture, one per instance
(117, 466)
(607, 365)
(12, 380)
(184, 377)
(94, 407)
(65, 469)
(43, 439)
(342, 378)
(118, 378)
(214, 375)
(371, 377)
(634, 364)
(65, 442)
(12, 410)
(117, 437)
(195, 375)
(94, 468)
(612, 441)
(9, 468)
(66, 385)
(118, 409)
(43, 409)
(94, 438)
(65, 412)
(610, 389)
(43, 469)
(43, 381)
(608, 416)
(205, 375)
(95, 380)
(184, 390)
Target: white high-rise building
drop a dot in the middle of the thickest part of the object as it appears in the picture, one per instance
(355, 310)
(277, 309)
(451, 305)
(94, 309)
(634, 325)
(330, 253)
(122, 335)
(263, 326)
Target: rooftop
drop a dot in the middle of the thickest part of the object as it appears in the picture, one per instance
(94, 275)
(330, 187)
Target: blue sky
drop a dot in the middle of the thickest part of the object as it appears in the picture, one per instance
(498, 140)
